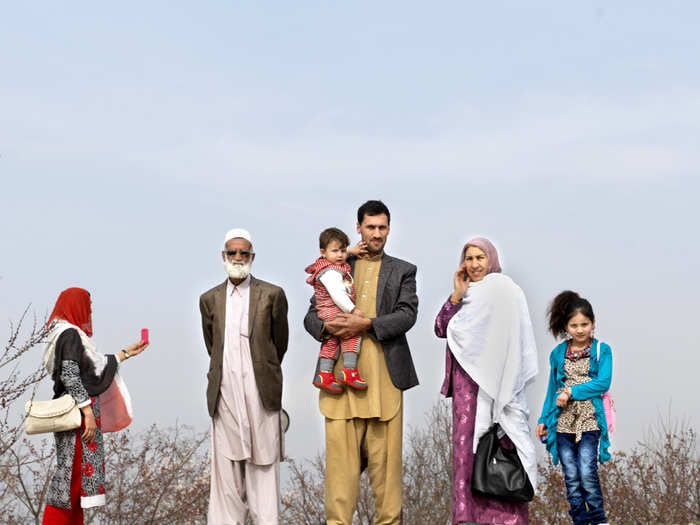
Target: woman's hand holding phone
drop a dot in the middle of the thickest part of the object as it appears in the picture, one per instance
(461, 283)
(136, 348)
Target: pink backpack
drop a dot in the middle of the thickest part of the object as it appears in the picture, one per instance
(608, 404)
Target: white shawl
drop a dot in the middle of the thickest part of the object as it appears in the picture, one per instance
(115, 402)
(492, 338)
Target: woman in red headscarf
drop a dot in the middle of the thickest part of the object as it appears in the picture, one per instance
(72, 361)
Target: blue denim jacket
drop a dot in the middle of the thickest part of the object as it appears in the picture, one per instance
(601, 374)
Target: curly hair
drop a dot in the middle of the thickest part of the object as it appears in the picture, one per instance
(564, 307)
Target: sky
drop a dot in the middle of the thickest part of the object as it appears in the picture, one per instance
(133, 136)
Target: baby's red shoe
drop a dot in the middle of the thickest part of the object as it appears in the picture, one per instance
(351, 377)
(326, 381)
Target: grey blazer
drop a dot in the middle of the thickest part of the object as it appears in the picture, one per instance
(268, 336)
(397, 308)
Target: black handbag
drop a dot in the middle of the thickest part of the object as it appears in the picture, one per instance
(498, 472)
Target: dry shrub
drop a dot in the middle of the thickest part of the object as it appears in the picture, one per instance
(302, 500)
(158, 477)
(550, 505)
(427, 469)
(26, 469)
(162, 475)
(24, 464)
(17, 386)
(658, 481)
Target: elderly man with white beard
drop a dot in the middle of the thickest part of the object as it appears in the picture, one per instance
(244, 322)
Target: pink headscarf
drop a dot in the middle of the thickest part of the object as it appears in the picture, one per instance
(488, 248)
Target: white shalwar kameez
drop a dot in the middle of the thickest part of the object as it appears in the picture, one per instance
(245, 442)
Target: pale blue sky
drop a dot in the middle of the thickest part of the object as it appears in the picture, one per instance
(133, 136)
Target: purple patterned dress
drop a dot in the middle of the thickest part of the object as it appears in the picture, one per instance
(463, 390)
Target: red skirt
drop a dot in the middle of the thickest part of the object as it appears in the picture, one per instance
(74, 515)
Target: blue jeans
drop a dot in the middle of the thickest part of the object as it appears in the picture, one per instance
(579, 461)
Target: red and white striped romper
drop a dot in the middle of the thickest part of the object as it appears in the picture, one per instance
(327, 309)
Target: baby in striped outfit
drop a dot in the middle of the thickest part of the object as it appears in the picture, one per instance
(331, 277)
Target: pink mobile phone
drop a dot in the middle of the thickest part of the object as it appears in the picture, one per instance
(144, 335)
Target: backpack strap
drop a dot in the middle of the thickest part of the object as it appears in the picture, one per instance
(597, 350)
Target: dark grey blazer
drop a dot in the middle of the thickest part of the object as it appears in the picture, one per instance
(268, 334)
(397, 308)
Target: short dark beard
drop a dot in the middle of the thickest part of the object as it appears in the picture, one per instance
(381, 250)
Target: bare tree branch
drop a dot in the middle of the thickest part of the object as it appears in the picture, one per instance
(14, 383)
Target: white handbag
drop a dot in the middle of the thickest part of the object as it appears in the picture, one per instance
(56, 415)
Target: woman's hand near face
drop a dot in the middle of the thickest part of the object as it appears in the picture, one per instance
(461, 283)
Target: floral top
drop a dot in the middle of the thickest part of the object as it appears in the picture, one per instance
(579, 415)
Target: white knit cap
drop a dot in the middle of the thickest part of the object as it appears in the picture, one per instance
(237, 233)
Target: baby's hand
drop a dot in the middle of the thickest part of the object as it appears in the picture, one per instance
(358, 250)
(357, 312)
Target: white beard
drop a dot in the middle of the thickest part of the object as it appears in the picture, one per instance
(237, 270)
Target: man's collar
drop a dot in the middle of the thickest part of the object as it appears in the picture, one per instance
(376, 257)
(243, 285)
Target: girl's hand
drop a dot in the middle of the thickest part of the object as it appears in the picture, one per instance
(563, 399)
(90, 424)
(541, 431)
(461, 283)
(358, 250)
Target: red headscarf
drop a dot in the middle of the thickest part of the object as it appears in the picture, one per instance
(73, 305)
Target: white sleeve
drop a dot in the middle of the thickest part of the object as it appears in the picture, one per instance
(333, 281)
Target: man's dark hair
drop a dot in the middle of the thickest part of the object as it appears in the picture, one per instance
(373, 208)
(333, 234)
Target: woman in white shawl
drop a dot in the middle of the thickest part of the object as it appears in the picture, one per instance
(491, 358)
(72, 361)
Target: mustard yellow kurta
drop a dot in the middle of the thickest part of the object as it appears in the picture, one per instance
(381, 399)
(364, 422)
